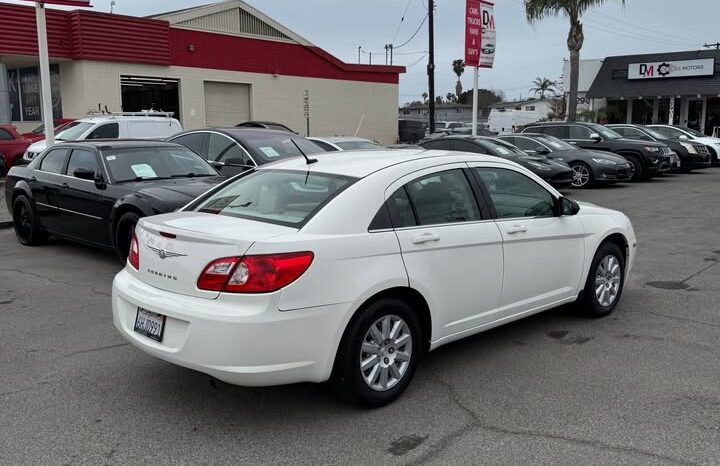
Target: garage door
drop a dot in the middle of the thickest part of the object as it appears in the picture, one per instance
(226, 104)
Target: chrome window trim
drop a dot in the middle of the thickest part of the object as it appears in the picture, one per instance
(68, 210)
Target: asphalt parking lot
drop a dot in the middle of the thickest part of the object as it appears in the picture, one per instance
(641, 387)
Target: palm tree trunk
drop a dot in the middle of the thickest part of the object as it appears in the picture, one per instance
(574, 76)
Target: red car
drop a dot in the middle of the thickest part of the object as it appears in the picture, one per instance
(38, 133)
(12, 147)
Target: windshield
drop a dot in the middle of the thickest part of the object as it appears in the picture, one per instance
(73, 131)
(283, 197)
(155, 163)
(358, 145)
(554, 143)
(502, 147)
(606, 133)
(271, 146)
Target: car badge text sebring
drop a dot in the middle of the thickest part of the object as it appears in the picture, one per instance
(164, 254)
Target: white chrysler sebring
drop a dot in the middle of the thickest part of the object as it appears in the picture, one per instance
(351, 267)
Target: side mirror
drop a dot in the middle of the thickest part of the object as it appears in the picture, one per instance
(595, 137)
(216, 164)
(542, 150)
(683, 137)
(84, 174)
(568, 206)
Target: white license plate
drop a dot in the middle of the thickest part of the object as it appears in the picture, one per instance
(150, 324)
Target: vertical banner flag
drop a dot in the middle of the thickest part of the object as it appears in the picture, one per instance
(473, 32)
(487, 51)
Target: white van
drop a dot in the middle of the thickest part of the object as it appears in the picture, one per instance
(142, 125)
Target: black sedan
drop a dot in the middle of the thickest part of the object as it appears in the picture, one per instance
(588, 166)
(234, 150)
(95, 192)
(557, 174)
(692, 154)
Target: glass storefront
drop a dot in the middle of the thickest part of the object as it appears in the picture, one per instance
(617, 111)
(664, 111)
(642, 111)
(25, 99)
(712, 118)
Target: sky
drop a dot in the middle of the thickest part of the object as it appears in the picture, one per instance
(524, 52)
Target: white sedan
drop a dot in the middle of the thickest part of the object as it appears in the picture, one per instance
(352, 268)
(343, 143)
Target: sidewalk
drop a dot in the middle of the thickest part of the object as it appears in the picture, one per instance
(5, 217)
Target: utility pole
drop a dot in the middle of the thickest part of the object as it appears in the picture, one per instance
(709, 46)
(359, 49)
(431, 66)
(391, 53)
(370, 57)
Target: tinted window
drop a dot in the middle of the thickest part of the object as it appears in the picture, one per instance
(151, 163)
(106, 131)
(5, 135)
(359, 145)
(325, 146)
(467, 146)
(630, 133)
(81, 158)
(515, 195)
(557, 131)
(193, 141)
(275, 196)
(400, 209)
(54, 161)
(579, 132)
(525, 143)
(223, 149)
(268, 146)
(439, 145)
(444, 197)
(73, 131)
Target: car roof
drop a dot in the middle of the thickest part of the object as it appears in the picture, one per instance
(361, 164)
(108, 118)
(120, 143)
(239, 133)
(335, 139)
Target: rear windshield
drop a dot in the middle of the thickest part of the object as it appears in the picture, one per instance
(155, 163)
(272, 146)
(358, 145)
(283, 197)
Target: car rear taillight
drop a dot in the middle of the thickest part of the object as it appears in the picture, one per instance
(134, 254)
(254, 274)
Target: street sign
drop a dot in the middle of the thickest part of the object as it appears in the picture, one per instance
(306, 104)
(473, 32)
(487, 51)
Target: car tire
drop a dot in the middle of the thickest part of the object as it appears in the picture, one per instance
(389, 364)
(582, 175)
(26, 224)
(714, 160)
(124, 229)
(637, 168)
(605, 282)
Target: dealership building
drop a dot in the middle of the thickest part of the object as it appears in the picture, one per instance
(214, 65)
(681, 88)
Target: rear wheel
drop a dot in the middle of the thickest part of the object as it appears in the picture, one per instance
(605, 282)
(713, 157)
(124, 230)
(26, 224)
(637, 169)
(582, 176)
(3, 168)
(378, 354)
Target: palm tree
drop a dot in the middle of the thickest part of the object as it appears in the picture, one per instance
(458, 68)
(537, 10)
(543, 85)
(425, 96)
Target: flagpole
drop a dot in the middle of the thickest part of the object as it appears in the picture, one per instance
(475, 100)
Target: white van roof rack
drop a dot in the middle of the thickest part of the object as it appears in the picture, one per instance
(144, 113)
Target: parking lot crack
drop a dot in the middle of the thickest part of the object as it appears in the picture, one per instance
(56, 281)
(476, 423)
(701, 271)
(92, 350)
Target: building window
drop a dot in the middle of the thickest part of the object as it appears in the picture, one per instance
(24, 93)
(406, 112)
(142, 93)
(530, 108)
(620, 74)
(458, 110)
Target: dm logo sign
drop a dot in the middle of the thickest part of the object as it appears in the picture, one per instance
(672, 69)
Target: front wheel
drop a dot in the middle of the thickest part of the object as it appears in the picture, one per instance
(605, 282)
(378, 354)
(582, 175)
(637, 170)
(124, 230)
(26, 224)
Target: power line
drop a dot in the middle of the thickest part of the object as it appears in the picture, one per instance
(635, 26)
(631, 36)
(407, 7)
(638, 36)
(414, 34)
(709, 46)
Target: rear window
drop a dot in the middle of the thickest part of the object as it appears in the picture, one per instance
(271, 146)
(283, 197)
(358, 145)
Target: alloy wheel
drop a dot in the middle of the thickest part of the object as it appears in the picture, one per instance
(580, 176)
(23, 217)
(385, 353)
(607, 280)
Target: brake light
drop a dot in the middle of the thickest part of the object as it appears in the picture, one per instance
(134, 254)
(254, 274)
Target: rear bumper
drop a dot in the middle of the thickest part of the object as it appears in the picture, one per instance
(251, 345)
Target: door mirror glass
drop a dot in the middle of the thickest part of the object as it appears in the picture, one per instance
(595, 137)
(683, 137)
(568, 206)
(84, 174)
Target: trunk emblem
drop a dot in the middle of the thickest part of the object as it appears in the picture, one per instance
(163, 254)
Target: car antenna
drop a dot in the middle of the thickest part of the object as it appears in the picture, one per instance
(307, 159)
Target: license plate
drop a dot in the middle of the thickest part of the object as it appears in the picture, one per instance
(150, 324)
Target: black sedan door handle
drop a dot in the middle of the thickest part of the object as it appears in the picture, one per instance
(64, 185)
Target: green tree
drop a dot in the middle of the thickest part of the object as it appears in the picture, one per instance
(538, 10)
(542, 85)
(458, 68)
(425, 96)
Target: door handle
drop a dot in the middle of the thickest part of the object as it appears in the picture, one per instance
(64, 185)
(426, 238)
(515, 229)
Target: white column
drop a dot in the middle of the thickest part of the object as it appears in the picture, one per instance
(629, 110)
(656, 110)
(684, 110)
(45, 84)
(703, 117)
(671, 113)
(475, 100)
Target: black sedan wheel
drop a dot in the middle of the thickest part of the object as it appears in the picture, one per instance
(27, 228)
(581, 176)
(124, 231)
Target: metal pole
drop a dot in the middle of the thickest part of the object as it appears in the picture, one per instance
(475, 100)
(391, 54)
(371, 58)
(45, 84)
(431, 66)
(359, 49)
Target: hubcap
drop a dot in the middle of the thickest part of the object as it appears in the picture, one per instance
(385, 353)
(607, 280)
(581, 176)
(23, 219)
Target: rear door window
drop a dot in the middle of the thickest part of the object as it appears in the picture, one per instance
(54, 161)
(579, 132)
